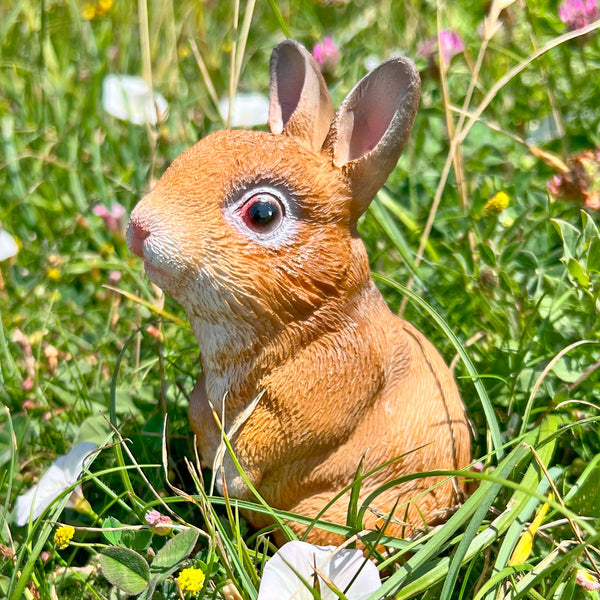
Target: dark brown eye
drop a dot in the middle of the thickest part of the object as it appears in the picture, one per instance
(262, 213)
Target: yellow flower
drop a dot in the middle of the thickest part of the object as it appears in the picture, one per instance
(53, 274)
(96, 10)
(191, 579)
(496, 204)
(183, 51)
(62, 536)
(88, 11)
(107, 248)
(104, 6)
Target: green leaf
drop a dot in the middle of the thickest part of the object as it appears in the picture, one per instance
(590, 229)
(500, 577)
(355, 495)
(578, 273)
(112, 537)
(569, 234)
(567, 369)
(8, 437)
(125, 568)
(141, 540)
(175, 550)
(565, 589)
(593, 256)
(488, 254)
(149, 591)
(94, 429)
(4, 583)
(586, 500)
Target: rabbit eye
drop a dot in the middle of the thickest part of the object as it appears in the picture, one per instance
(262, 213)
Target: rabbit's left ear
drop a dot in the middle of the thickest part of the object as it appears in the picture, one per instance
(300, 103)
(372, 127)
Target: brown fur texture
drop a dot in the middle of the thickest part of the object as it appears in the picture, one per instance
(297, 318)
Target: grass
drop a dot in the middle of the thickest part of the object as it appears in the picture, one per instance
(509, 294)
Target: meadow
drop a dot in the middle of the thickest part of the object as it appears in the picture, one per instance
(486, 237)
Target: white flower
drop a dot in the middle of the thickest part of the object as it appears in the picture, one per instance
(8, 246)
(248, 110)
(371, 62)
(335, 566)
(129, 98)
(58, 478)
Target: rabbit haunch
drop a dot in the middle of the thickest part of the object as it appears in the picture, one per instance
(254, 234)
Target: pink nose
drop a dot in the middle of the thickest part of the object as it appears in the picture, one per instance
(136, 234)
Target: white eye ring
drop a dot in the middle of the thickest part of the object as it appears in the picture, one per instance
(263, 214)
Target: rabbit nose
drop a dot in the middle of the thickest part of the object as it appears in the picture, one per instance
(136, 234)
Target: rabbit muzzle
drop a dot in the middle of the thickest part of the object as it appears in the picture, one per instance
(149, 242)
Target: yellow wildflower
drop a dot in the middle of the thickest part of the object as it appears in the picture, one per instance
(62, 536)
(103, 7)
(88, 11)
(496, 204)
(191, 579)
(53, 274)
(96, 10)
(183, 51)
(107, 248)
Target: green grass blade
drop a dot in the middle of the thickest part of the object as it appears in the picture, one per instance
(123, 471)
(457, 559)
(231, 547)
(499, 577)
(533, 477)
(279, 17)
(40, 532)
(8, 368)
(384, 220)
(557, 559)
(486, 403)
(482, 497)
(467, 539)
(512, 537)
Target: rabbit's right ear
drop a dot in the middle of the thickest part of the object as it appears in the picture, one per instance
(372, 127)
(300, 103)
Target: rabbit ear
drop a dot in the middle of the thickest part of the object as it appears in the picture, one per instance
(372, 127)
(300, 103)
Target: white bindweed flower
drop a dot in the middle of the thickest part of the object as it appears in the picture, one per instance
(8, 246)
(59, 477)
(372, 61)
(248, 110)
(319, 566)
(130, 98)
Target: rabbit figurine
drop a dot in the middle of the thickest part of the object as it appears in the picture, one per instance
(307, 369)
